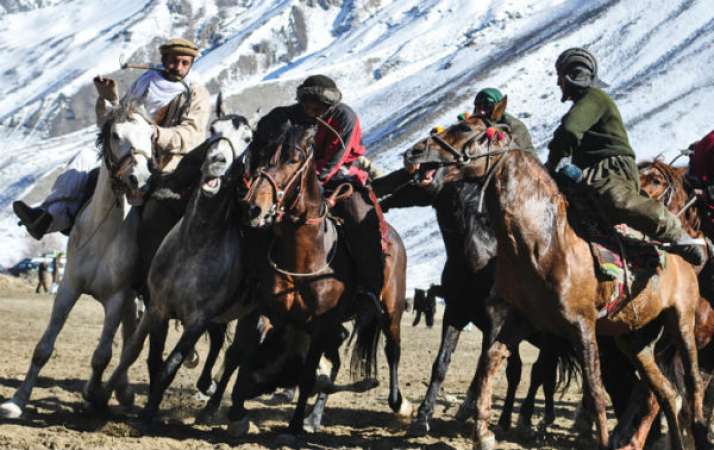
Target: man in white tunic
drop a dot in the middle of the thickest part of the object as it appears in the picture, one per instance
(180, 109)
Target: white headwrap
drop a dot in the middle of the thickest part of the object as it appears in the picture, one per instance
(156, 91)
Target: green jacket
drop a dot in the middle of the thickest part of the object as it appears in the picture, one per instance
(519, 133)
(591, 131)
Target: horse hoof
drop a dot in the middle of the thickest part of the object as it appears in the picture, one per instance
(486, 442)
(208, 416)
(285, 440)
(504, 424)
(406, 409)
(239, 428)
(465, 412)
(125, 397)
(282, 397)
(9, 410)
(192, 360)
(418, 428)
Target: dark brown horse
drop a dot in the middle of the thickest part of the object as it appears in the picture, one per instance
(546, 272)
(311, 281)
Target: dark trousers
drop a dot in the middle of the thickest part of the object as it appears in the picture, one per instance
(363, 236)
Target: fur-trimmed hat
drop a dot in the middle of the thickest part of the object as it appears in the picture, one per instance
(320, 88)
(179, 46)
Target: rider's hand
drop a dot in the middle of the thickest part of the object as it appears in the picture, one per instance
(106, 88)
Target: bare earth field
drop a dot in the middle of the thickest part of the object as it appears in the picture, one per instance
(56, 417)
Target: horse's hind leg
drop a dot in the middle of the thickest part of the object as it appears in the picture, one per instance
(643, 357)
(63, 304)
(392, 350)
(217, 335)
(124, 392)
(513, 376)
(528, 405)
(103, 353)
(682, 328)
(313, 422)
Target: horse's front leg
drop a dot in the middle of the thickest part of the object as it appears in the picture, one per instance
(217, 336)
(490, 361)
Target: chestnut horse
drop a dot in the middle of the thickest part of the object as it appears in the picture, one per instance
(311, 281)
(665, 183)
(546, 272)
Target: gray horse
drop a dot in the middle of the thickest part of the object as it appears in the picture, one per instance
(102, 251)
(196, 272)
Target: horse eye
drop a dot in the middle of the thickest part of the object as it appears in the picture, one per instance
(212, 130)
(115, 135)
(247, 140)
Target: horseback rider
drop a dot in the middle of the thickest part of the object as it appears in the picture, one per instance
(337, 148)
(701, 171)
(180, 108)
(484, 104)
(593, 135)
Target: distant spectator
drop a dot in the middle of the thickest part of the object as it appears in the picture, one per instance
(42, 277)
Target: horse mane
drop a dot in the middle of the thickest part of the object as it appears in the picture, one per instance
(681, 191)
(120, 113)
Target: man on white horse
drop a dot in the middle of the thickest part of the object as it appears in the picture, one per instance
(180, 108)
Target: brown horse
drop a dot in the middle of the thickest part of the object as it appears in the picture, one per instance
(666, 183)
(546, 271)
(310, 281)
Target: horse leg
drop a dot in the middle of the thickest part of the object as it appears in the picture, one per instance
(217, 336)
(449, 339)
(513, 376)
(313, 422)
(643, 357)
(550, 376)
(683, 330)
(103, 353)
(124, 392)
(392, 350)
(586, 342)
(306, 385)
(248, 336)
(491, 359)
(528, 405)
(169, 368)
(63, 304)
(130, 352)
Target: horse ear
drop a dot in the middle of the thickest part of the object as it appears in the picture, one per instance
(499, 109)
(219, 105)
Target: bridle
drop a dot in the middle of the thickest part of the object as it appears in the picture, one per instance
(280, 193)
(118, 168)
(463, 157)
(667, 195)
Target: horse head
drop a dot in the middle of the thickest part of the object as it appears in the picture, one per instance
(125, 143)
(230, 135)
(467, 149)
(279, 185)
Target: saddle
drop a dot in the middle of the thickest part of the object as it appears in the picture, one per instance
(621, 254)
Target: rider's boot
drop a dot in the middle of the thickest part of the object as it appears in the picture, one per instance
(692, 250)
(36, 220)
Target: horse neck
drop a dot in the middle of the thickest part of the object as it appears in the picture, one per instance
(105, 198)
(526, 208)
(303, 247)
(467, 232)
(207, 217)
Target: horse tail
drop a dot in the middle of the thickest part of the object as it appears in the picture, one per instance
(569, 366)
(363, 362)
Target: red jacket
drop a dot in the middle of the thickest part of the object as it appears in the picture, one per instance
(702, 161)
(330, 156)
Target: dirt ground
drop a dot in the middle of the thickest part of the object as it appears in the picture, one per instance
(56, 417)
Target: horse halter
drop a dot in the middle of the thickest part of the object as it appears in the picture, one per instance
(667, 195)
(280, 194)
(118, 168)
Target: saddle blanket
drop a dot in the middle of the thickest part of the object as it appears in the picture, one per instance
(642, 258)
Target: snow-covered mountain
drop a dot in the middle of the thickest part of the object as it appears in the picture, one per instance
(404, 66)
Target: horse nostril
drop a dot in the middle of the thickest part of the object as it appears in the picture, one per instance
(133, 181)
